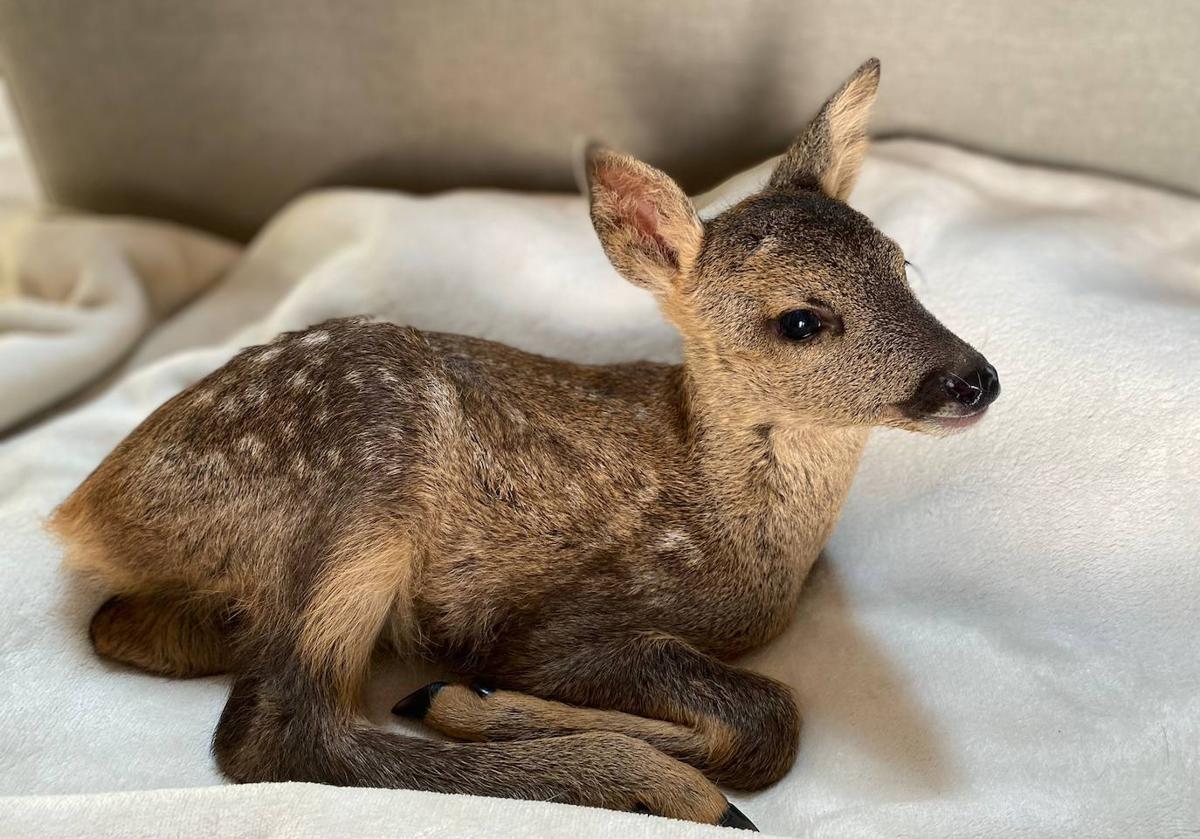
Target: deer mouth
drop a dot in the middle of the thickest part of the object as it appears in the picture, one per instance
(952, 424)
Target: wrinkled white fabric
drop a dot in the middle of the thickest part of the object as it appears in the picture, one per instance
(77, 293)
(1001, 638)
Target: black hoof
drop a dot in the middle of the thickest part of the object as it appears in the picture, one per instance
(416, 705)
(733, 817)
(482, 690)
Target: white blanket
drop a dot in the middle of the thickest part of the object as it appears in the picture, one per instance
(1001, 639)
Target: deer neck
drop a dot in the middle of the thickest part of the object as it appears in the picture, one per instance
(776, 488)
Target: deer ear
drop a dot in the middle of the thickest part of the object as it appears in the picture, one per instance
(829, 154)
(647, 225)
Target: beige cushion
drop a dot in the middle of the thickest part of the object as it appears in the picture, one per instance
(216, 112)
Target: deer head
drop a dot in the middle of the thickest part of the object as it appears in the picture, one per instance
(793, 307)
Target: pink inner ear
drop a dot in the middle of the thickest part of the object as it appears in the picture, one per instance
(637, 208)
(645, 218)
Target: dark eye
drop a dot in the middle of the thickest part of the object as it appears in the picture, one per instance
(799, 324)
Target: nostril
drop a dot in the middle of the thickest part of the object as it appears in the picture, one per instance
(975, 389)
(963, 391)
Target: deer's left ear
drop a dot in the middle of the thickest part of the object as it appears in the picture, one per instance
(829, 154)
(647, 225)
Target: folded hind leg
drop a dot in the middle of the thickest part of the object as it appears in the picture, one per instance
(740, 728)
(164, 633)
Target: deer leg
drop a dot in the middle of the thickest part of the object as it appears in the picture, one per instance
(484, 714)
(294, 717)
(164, 633)
(740, 728)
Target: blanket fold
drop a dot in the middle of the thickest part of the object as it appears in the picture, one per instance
(77, 293)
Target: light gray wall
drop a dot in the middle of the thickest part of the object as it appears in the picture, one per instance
(217, 111)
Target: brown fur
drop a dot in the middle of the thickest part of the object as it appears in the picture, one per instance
(368, 588)
(171, 635)
(594, 540)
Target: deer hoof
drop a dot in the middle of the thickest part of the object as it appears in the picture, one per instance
(733, 817)
(416, 705)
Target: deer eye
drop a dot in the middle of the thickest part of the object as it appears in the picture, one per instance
(799, 324)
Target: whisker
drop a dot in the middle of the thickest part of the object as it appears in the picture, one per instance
(917, 270)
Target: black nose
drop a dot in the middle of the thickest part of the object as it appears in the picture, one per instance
(976, 389)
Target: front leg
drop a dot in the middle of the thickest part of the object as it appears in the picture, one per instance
(740, 728)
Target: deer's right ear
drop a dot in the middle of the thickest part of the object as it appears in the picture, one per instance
(647, 225)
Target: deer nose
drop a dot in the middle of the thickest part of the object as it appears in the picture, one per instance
(975, 389)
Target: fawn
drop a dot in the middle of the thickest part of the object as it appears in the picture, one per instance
(591, 543)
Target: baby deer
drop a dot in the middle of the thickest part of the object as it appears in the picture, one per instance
(592, 543)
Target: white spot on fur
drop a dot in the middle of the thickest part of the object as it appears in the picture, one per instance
(266, 354)
(299, 380)
(314, 338)
(229, 406)
(204, 397)
(213, 462)
(302, 468)
(398, 387)
(647, 494)
(165, 458)
(251, 445)
(438, 395)
(155, 463)
(672, 539)
(680, 543)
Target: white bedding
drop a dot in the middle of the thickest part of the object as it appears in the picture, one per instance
(1002, 638)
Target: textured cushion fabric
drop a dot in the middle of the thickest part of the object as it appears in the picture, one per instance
(216, 113)
(1000, 639)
